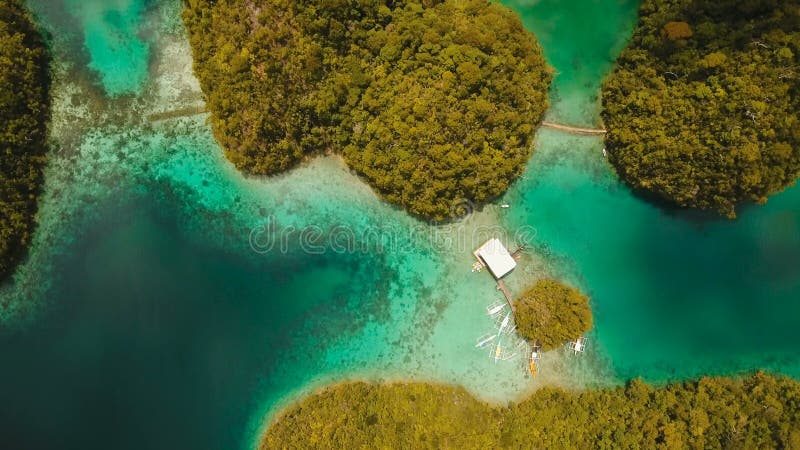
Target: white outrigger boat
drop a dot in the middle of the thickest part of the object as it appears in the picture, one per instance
(578, 346)
(495, 308)
(484, 340)
(505, 323)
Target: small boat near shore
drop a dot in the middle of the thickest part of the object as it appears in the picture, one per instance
(578, 346)
(535, 355)
(495, 308)
(484, 340)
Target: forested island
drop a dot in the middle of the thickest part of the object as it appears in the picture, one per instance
(552, 314)
(433, 102)
(760, 411)
(702, 108)
(24, 112)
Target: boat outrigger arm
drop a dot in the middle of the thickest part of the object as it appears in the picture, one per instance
(483, 340)
(505, 322)
(495, 308)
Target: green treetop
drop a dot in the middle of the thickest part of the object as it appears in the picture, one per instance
(702, 108)
(24, 112)
(552, 314)
(756, 412)
(433, 102)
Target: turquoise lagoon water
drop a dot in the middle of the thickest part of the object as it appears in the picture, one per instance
(111, 32)
(153, 312)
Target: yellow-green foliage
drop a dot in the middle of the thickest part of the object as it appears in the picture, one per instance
(757, 412)
(552, 314)
(392, 416)
(431, 101)
(24, 111)
(702, 109)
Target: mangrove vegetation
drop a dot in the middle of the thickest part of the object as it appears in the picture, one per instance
(433, 102)
(24, 112)
(552, 314)
(760, 411)
(702, 108)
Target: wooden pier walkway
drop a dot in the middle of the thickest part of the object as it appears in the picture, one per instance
(501, 286)
(178, 113)
(575, 130)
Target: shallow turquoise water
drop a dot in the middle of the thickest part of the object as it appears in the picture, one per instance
(111, 37)
(675, 295)
(155, 324)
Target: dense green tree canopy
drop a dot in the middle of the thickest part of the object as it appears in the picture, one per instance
(702, 109)
(757, 412)
(552, 314)
(432, 102)
(24, 111)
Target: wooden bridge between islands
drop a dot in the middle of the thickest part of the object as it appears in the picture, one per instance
(177, 113)
(575, 130)
(501, 286)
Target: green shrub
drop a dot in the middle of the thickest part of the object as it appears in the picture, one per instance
(24, 112)
(756, 412)
(552, 314)
(702, 108)
(432, 102)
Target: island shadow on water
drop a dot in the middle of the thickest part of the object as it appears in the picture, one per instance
(152, 330)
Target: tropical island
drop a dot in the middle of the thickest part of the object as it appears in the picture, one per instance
(24, 113)
(552, 314)
(702, 108)
(760, 411)
(434, 103)
(690, 120)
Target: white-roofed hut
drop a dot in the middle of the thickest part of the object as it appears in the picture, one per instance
(494, 255)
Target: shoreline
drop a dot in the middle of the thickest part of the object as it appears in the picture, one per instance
(319, 414)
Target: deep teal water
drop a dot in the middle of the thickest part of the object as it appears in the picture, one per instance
(163, 329)
(675, 294)
(157, 342)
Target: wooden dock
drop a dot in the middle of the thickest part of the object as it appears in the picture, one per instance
(178, 113)
(574, 130)
(501, 286)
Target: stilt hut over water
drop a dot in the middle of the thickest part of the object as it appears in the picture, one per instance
(494, 255)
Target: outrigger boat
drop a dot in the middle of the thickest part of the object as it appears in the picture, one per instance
(578, 345)
(498, 351)
(504, 323)
(535, 355)
(484, 340)
(495, 308)
(501, 354)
